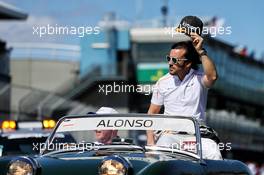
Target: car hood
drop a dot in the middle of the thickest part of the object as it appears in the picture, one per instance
(88, 163)
(83, 164)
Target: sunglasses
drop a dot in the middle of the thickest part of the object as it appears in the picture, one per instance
(175, 60)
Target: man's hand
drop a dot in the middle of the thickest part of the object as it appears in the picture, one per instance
(153, 109)
(197, 42)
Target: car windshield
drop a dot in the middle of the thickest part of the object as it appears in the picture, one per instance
(20, 146)
(124, 133)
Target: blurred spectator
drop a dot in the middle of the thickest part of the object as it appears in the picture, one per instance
(211, 22)
(243, 52)
(252, 167)
(252, 54)
(261, 170)
(262, 57)
(237, 48)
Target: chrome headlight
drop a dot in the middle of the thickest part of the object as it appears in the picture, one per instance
(115, 165)
(22, 166)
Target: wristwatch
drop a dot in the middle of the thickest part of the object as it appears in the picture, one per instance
(203, 52)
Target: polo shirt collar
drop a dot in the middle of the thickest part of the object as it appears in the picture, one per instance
(186, 78)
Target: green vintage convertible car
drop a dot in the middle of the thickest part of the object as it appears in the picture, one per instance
(115, 145)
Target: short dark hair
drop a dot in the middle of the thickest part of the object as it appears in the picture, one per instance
(191, 53)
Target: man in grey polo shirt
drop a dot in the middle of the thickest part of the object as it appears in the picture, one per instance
(105, 136)
(183, 91)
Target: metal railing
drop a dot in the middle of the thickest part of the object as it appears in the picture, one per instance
(28, 103)
(239, 130)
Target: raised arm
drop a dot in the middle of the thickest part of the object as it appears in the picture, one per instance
(210, 73)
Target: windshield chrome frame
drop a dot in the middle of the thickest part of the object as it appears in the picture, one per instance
(196, 125)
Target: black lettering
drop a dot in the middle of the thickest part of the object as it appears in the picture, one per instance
(108, 124)
(139, 123)
(102, 122)
(148, 123)
(121, 124)
(125, 123)
(130, 124)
